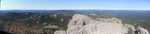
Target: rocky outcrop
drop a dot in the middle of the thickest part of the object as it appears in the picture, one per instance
(92, 24)
(82, 24)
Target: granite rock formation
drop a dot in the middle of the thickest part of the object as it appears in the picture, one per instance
(92, 24)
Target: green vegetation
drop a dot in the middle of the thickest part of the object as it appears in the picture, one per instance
(31, 20)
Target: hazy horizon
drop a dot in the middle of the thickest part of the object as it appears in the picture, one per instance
(75, 4)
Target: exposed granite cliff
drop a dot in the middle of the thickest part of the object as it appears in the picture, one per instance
(92, 24)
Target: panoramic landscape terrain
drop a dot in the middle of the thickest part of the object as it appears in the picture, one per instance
(75, 21)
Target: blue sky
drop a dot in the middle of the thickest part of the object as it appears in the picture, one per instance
(75, 4)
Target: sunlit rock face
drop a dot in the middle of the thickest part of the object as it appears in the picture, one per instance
(91, 24)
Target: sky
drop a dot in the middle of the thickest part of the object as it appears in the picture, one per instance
(75, 4)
